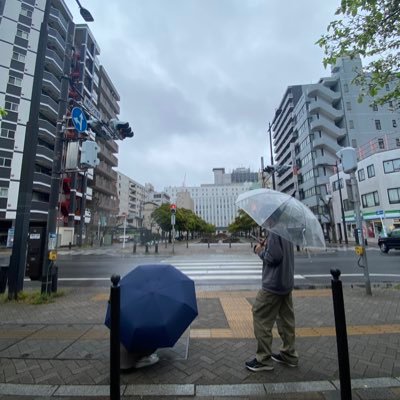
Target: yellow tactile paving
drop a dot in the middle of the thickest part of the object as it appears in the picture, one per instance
(238, 314)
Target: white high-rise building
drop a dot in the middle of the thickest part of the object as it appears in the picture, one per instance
(215, 203)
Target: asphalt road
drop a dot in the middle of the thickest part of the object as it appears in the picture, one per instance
(230, 270)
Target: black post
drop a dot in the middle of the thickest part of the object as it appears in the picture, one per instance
(115, 299)
(146, 249)
(134, 247)
(341, 206)
(341, 336)
(57, 159)
(18, 256)
(156, 248)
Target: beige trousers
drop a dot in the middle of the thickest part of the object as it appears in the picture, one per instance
(268, 309)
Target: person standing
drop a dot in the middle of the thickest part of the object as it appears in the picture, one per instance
(274, 304)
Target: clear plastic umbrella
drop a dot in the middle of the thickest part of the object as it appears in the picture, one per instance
(284, 215)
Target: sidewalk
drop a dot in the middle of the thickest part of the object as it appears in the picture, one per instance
(62, 350)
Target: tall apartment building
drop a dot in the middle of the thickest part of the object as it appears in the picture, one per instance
(311, 124)
(20, 23)
(215, 203)
(132, 196)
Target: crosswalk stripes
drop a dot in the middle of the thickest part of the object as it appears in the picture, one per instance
(243, 268)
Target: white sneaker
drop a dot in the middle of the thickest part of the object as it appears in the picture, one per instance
(146, 361)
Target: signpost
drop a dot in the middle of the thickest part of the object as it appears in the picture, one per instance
(79, 119)
(173, 212)
(381, 214)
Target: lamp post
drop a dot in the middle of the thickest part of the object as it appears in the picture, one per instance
(272, 154)
(341, 206)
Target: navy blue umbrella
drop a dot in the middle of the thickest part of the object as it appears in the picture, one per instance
(158, 303)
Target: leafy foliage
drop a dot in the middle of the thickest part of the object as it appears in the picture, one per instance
(3, 112)
(186, 220)
(371, 29)
(242, 223)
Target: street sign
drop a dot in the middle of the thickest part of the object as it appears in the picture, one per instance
(172, 219)
(79, 119)
(92, 108)
(379, 212)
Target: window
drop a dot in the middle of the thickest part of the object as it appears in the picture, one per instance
(348, 106)
(361, 175)
(336, 184)
(351, 124)
(18, 56)
(5, 162)
(346, 87)
(7, 133)
(26, 11)
(378, 124)
(370, 199)
(398, 142)
(375, 107)
(371, 171)
(394, 123)
(394, 195)
(381, 144)
(391, 166)
(3, 192)
(11, 106)
(22, 34)
(15, 81)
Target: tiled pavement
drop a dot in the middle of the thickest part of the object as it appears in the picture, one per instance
(62, 349)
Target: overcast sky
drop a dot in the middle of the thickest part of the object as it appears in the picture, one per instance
(199, 80)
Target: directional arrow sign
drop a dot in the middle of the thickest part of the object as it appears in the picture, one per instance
(79, 119)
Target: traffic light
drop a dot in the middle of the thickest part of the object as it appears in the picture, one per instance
(173, 208)
(121, 129)
(99, 128)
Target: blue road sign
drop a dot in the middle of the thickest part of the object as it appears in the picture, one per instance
(379, 212)
(79, 119)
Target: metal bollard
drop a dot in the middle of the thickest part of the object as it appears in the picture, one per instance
(147, 249)
(341, 336)
(156, 248)
(134, 248)
(230, 243)
(115, 299)
(208, 243)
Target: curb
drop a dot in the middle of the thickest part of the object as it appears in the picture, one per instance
(195, 391)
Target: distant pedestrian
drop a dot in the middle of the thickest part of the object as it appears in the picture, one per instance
(274, 304)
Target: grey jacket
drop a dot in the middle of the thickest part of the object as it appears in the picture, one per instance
(278, 265)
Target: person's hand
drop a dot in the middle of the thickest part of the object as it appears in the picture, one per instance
(258, 247)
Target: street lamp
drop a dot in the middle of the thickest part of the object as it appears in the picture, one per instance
(85, 13)
(272, 155)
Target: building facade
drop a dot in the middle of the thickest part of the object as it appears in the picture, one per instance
(215, 203)
(314, 121)
(132, 196)
(378, 177)
(20, 23)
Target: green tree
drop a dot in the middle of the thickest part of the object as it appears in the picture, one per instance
(3, 112)
(242, 223)
(371, 29)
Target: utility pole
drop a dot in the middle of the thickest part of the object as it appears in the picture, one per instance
(349, 162)
(272, 154)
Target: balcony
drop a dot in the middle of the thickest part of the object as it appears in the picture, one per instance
(57, 17)
(325, 142)
(106, 155)
(41, 182)
(104, 186)
(47, 131)
(323, 92)
(51, 84)
(325, 108)
(44, 156)
(325, 125)
(48, 107)
(104, 170)
(53, 62)
(39, 209)
(56, 40)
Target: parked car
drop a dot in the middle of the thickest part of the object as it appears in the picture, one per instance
(125, 238)
(391, 241)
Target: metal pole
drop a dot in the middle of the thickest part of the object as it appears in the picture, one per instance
(341, 206)
(57, 160)
(341, 336)
(272, 155)
(83, 210)
(18, 256)
(123, 242)
(357, 211)
(115, 300)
